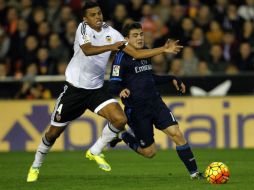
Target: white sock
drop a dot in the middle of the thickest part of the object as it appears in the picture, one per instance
(108, 133)
(41, 152)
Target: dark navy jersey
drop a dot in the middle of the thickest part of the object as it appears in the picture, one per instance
(137, 76)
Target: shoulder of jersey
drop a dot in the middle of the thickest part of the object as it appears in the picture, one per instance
(83, 27)
(105, 25)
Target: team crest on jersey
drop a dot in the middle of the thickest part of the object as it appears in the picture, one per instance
(86, 38)
(116, 69)
(108, 39)
(58, 117)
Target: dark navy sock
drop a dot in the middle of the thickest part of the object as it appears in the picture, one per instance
(130, 140)
(185, 154)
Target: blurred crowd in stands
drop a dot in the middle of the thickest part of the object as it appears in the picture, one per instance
(36, 37)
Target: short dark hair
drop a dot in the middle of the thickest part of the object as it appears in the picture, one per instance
(89, 5)
(128, 27)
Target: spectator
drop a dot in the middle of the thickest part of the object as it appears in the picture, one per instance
(26, 9)
(204, 18)
(203, 69)
(4, 44)
(53, 11)
(38, 17)
(31, 91)
(12, 20)
(119, 16)
(245, 60)
(65, 16)
(199, 43)
(229, 46)
(159, 64)
(189, 61)
(43, 34)
(46, 67)
(175, 21)
(186, 31)
(216, 62)
(3, 11)
(232, 70)
(18, 40)
(29, 53)
(176, 68)
(136, 9)
(220, 10)
(246, 11)
(215, 33)
(163, 9)
(69, 35)
(3, 71)
(248, 33)
(232, 21)
(61, 67)
(57, 51)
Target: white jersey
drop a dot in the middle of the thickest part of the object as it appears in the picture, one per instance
(88, 71)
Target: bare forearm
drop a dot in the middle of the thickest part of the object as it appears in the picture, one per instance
(143, 53)
(94, 50)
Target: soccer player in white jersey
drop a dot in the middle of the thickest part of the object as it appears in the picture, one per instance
(94, 41)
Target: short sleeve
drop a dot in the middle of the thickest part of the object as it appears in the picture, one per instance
(117, 67)
(83, 34)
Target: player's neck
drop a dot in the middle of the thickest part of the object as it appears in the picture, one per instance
(96, 29)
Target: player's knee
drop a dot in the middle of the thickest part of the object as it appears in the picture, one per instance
(52, 135)
(149, 153)
(119, 121)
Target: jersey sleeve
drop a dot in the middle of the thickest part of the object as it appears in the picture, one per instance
(116, 74)
(83, 34)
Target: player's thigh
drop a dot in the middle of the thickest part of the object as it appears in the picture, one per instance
(162, 116)
(70, 104)
(114, 114)
(140, 121)
(103, 104)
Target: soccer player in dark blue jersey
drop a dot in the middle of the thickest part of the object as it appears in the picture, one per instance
(133, 80)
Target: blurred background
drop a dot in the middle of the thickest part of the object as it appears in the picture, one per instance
(216, 64)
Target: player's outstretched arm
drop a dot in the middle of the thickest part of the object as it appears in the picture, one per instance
(90, 49)
(179, 85)
(169, 47)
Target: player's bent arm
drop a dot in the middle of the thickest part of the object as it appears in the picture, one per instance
(143, 53)
(88, 49)
(162, 79)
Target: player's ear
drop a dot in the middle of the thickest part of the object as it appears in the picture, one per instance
(126, 38)
(84, 19)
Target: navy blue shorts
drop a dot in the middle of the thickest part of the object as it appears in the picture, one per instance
(141, 120)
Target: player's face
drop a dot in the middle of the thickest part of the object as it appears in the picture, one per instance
(94, 18)
(136, 38)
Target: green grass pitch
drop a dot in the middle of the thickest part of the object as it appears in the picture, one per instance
(70, 170)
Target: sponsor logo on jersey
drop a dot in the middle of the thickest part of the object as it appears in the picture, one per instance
(116, 69)
(143, 68)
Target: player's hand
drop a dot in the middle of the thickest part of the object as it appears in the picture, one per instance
(125, 93)
(179, 87)
(172, 47)
(117, 46)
